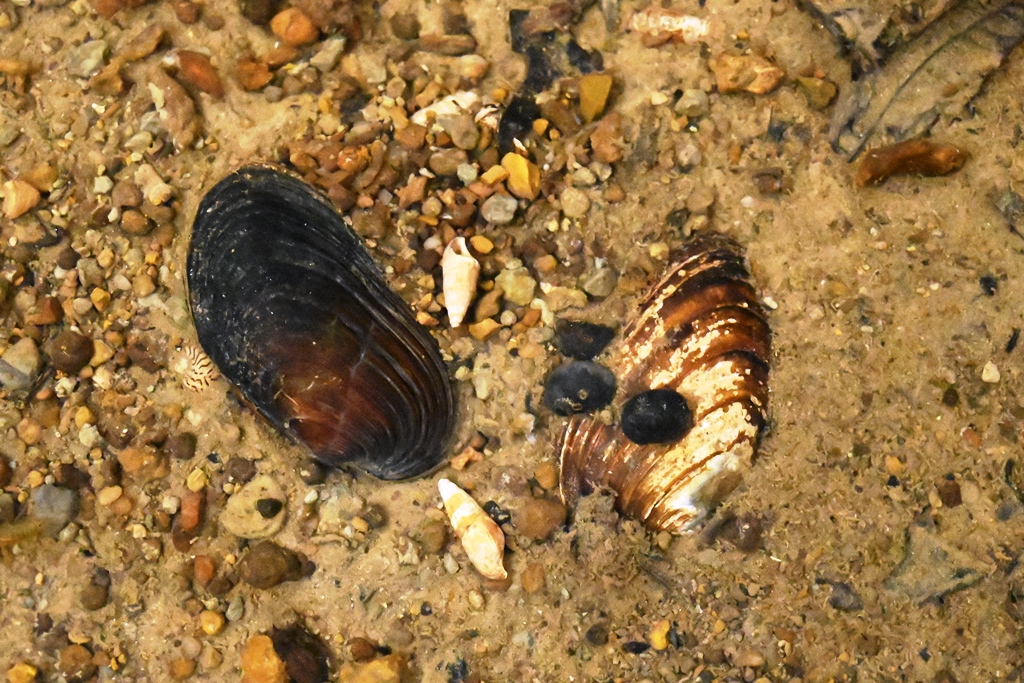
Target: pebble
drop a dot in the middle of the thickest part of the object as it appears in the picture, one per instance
(294, 28)
(154, 189)
(211, 622)
(306, 656)
(192, 505)
(462, 130)
(75, 662)
(694, 103)
(539, 518)
(658, 636)
(195, 68)
(328, 55)
(387, 669)
(239, 469)
(533, 578)
(54, 506)
(86, 59)
(688, 156)
(182, 668)
(70, 351)
(601, 283)
(361, 649)
(482, 330)
(597, 635)
(751, 73)
(267, 565)
(656, 416)
(990, 373)
(575, 202)
(594, 91)
(176, 109)
(844, 598)
(499, 209)
(22, 672)
(19, 198)
(579, 387)
(523, 176)
(818, 91)
(108, 495)
(446, 161)
(748, 658)
(20, 365)
(260, 663)
(517, 284)
(582, 340)
(432, 536)
(94, 596)
(546, 475)
(244, 513)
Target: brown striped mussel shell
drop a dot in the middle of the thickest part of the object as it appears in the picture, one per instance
(702, 333)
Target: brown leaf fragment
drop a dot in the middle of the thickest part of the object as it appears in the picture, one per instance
(936, 76)
(913, 157)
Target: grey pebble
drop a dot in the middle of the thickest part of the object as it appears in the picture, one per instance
(499, 209)
(54, 506)
(87, 58)
(693, 103)
(19, 366)
(462, 130)
(328, 55)
(601, 283)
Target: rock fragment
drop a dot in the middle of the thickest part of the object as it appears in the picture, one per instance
(19, 198)
(746, 73)
(244, 516)
(267, 565)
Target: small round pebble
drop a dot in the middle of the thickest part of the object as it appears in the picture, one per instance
(211, 622)
(575, 202)
(499, 209)
(579, 387)
(656, 416)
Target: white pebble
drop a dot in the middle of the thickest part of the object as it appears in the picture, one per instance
(990, 373)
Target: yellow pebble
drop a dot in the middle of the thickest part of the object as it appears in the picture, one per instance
(360, 525)
(36, 478)
(196, 480)
(594, 91)
(108, 495)
(893, 465)
(483, 329)
(211, 622)
(22, 673)
(659, 635)
(84, 416)
(523, 175)
(100, 299)
(546, 475)
(481, 244)
(493, 175)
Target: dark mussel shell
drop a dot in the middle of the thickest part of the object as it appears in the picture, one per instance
(702, 333)
(295, 313)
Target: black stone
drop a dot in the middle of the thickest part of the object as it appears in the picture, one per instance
(306, 657)
(579, 387)
(597, 634)
(582, 341)
(517, 122)
(656, 416)
(636, 647)
(268, 507)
